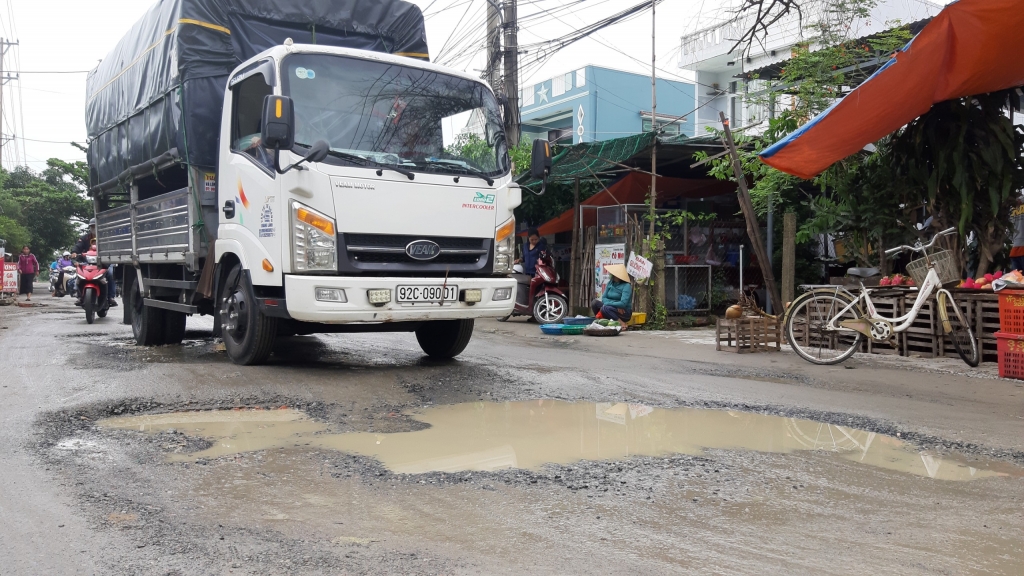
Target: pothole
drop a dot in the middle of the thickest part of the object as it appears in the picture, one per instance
(486, 436)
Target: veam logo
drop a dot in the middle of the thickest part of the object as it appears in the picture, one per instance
(422, 250)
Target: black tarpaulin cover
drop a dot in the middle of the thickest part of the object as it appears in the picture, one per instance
(177, 58)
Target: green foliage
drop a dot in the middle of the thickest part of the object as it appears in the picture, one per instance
(659, 319)
(720, 294)
(49, 208)
(965, 158)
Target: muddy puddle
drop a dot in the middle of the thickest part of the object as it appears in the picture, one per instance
(483, 436)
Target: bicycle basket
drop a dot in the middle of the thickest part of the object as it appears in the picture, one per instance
(945, 267)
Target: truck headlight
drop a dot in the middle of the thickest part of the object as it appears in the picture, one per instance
(504, 246)
(314, 241)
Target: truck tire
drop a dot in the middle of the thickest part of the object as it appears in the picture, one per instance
(444, 339)
(174, 327)
(248, 334)
(147, 322)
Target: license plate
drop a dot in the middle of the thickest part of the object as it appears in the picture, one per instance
(414, 294)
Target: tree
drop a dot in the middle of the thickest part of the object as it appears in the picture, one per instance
(49, 207)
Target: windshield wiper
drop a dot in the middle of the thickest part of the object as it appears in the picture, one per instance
(460, 166)
(370, 162)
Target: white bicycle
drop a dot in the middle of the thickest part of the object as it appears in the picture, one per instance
(828, 325)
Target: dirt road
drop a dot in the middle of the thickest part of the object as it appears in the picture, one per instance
(647, 453)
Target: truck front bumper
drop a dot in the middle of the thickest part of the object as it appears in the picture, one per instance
(302, 304)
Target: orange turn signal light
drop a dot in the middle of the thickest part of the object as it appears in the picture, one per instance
(267, 265)
(316, 221)
(506, 230)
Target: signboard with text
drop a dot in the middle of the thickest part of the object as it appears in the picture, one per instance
(605, 254)
(11, 277)
(639, 267)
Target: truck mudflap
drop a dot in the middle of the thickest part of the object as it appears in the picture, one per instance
(352, 302)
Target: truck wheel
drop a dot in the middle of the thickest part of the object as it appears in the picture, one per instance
(89, 304)
(174, 327)
(147, 322)
(248, 334)
(444, 339)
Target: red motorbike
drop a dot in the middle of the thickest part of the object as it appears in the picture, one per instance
(92, 285)
(538, 296)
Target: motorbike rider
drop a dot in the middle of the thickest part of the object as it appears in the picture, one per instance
(64, 260)
(535, 247)
(85, 243)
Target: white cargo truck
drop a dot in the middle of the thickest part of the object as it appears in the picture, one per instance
(298, 168)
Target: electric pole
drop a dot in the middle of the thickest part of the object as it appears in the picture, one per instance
(511, 69)
(654, 127)
(4, 78)
(493, 68)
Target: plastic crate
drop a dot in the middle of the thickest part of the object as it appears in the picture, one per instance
(1011, 355)
(1011, 311)
(552, 329)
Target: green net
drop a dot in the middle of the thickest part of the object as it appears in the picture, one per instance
(588, 158)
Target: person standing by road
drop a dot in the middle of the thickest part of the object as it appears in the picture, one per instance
(534, 248)
(28, 269)
(1017, 252)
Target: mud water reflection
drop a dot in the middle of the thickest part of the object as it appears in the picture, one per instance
(492, 436)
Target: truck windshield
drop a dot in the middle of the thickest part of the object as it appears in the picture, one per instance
(416, 119)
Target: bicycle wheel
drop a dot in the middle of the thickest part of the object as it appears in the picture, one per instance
(807, 327)
(959, 331)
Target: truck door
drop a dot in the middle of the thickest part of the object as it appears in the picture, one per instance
(249, 180)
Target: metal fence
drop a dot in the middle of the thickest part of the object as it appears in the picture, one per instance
(687, 288)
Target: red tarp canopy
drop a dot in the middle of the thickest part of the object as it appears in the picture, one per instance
(633, 188)
(971, 47)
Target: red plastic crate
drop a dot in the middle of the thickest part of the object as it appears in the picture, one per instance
(1011, 355)
(1011, 311)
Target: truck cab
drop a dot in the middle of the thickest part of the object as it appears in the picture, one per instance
(360, 191)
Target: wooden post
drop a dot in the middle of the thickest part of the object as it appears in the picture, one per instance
(788, 258)
(658, 273)
(574, 258)
(747, 206)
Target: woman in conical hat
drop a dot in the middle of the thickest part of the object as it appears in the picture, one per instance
(617, 301)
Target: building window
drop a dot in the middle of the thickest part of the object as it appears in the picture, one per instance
(568, 81)
(557, 86)
(528, 95)
(667, 128)
(581, 77)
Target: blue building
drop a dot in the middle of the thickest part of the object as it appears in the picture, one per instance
(595, 103)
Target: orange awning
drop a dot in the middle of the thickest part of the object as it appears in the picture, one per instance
(971, 47)
(633, 189)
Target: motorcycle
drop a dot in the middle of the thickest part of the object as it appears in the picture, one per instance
(92, 284)
(62, 289)
(538, 296)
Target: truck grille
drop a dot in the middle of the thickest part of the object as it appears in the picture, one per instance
(385, 253)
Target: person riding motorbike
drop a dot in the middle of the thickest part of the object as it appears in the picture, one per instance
(61, 263)
(87, 242)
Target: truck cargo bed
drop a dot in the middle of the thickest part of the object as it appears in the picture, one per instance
(155, 230)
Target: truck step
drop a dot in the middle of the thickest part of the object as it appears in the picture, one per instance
(186, 308)
(163, 283)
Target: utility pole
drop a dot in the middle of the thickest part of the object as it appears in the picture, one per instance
(511, 72)
(4, 77)
(654, 129)
(493, 68)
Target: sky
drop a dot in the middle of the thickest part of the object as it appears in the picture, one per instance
(65, 35)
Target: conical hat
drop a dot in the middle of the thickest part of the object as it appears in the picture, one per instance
(618, 270)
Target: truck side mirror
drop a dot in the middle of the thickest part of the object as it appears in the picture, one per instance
(540, 163)
(278, 126)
